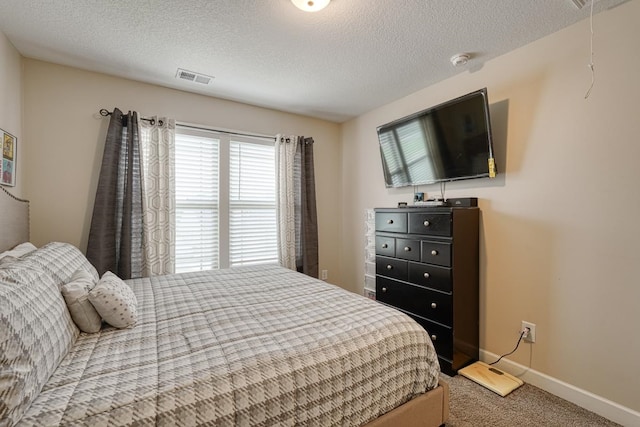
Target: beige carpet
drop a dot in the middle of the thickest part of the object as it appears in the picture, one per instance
(472, 405)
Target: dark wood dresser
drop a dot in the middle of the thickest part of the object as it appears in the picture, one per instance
(427, 267)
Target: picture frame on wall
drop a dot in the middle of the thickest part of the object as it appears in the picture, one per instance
(8, 158)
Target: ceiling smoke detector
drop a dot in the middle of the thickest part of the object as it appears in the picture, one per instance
(193, 77)
(460, 59)
(310, 5)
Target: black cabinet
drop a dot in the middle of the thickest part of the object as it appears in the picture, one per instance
(427, 266)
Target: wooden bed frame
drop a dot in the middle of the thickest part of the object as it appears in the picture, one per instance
(430, 409)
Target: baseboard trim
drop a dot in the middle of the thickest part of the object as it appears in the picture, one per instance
(594, 403)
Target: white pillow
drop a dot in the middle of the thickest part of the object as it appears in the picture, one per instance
(19, 250)
(12, 255)
(115, 301)
(76, 295)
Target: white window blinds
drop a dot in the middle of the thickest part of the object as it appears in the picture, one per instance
(252, 204)
(225, 201)
(197, 203)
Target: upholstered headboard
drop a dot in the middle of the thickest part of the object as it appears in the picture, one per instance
(14, 220)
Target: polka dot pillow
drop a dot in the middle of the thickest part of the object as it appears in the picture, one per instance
(114, 301)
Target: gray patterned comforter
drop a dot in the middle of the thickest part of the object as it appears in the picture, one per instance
(259, 346)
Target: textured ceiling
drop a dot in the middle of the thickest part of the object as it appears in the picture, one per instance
(347, 59)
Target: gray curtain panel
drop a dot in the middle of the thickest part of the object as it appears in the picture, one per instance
(115, 237)
(306, 214)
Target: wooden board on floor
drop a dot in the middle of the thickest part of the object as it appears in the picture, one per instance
(492, 378)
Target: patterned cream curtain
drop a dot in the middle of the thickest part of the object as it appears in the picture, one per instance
(157, 140)
(285, 158)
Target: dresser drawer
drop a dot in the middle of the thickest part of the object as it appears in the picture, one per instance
(408, 249)
(424, 302)
(438, 253)
(385, 246)
(392, 267)
(435, 224)
(441, 336)
(391, 222)
(430, 276)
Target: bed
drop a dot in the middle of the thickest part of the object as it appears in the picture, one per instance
(251, 346)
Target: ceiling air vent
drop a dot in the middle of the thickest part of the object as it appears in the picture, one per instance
(193, 77)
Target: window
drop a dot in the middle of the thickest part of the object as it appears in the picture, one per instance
(225, 200)
(253, 235)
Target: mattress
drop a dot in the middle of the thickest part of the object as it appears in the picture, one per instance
(259, 346)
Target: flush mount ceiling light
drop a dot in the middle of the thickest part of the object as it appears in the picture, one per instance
(310, 5)
(460, 59)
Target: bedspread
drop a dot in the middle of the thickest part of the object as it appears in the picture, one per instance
(259, 346)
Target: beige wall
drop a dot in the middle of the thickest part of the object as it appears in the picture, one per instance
(66, 138)
(560, 239)
(11, 103)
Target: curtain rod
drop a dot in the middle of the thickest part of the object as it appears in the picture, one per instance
(104, 113)
(270, 138)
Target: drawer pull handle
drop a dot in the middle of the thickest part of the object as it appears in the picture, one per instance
(407, 249)
(385, 246)
(389, 267)
(434, 305)
(434, 252)
(434, 337)
(426, 275)
(389, 221)
(426, 223)
(384, 289)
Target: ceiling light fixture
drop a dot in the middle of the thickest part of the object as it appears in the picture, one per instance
(460, 59)
(310, 5)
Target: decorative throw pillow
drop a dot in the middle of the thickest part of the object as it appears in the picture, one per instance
(76, 295)
(115, 301)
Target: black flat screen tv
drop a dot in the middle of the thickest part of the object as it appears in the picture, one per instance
(448, 142)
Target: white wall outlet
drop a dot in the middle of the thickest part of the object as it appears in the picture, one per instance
(531, 335)
(324, 274)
